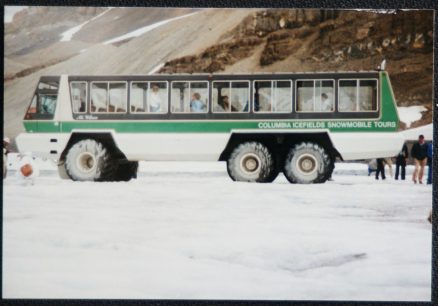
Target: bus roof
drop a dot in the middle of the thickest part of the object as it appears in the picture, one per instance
(234, 73)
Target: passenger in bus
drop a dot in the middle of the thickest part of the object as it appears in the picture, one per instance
(155, 99)
(326, 103)
(196, 105)
(47, 105)
(82, 107)
(224, 105)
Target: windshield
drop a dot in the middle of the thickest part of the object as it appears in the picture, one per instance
(44, 100)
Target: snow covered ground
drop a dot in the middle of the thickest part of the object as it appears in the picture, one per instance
(68, 35)
(410, 114)
(186, 231)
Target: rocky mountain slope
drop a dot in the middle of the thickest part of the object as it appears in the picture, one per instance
(214, 40)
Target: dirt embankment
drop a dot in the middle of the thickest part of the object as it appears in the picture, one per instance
(328, 40)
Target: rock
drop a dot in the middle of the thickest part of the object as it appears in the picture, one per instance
(361, 33)
(419, 41)
(282, 22)
(356, 52)
(312, 16)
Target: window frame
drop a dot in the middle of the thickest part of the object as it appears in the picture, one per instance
(357, 95)
(230, 88)
(108, 96)
(190, 92)
(149, 86)
(272, 80)
(86, 96)
(314, 80)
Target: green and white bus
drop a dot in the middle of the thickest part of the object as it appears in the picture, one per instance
(98, 127)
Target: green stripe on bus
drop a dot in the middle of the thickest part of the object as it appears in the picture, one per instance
(215, 126)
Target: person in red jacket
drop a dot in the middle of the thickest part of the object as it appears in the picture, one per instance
(419, 153)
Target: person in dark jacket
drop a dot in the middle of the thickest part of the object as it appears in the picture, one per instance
(380, 168)
(419, 153)
(401, 163)
(429, 162)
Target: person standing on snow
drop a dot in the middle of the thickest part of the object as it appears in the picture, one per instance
(429, 162)
(380, 168)
(372, 166)
(388, 162)
(400, 162)
(6, 142)
(419, 153)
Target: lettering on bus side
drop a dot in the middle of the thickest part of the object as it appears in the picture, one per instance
(290, 125)
(330, 125)
(87, 117)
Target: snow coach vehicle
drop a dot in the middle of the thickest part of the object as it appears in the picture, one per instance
(99, 127)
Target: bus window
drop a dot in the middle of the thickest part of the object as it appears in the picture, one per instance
(189, 97)
(44, 101)
(315, 96)
(138, 97)
(357, 95)
(272, 96)
(99, 97)
(47, 104)
(117, 97)
(79, 96)
(48, 85)
(230, 96)
(43, 105)
(367, 95)
(145, 100)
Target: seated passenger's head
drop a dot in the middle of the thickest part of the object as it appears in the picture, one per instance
(324, 96)
(155, 88)
(196, 96)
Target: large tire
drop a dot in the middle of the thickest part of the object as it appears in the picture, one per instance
(89, 160)
(330, 169)
(62, 171)
(250, 162)
(307, 163)
(126, 170)
(274, 173)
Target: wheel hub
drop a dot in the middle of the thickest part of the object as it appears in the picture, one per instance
(250, 163)
(306, 164)
(86, 162)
